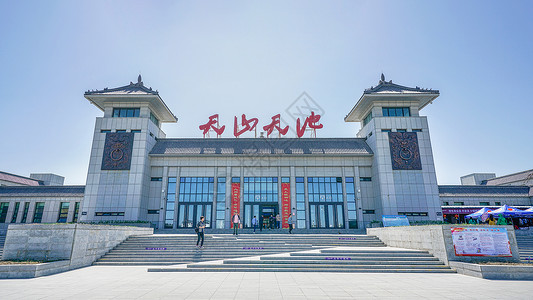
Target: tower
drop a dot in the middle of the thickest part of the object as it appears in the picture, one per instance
(119, 168)
(403, 171)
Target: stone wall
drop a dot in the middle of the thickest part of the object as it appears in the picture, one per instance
(82, 244)
(437, 240)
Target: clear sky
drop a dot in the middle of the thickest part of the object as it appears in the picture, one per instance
(257, 57)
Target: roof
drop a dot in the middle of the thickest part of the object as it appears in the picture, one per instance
(134, 92)
(261, 146)
(526, 176)
(39, 191)
(483, 190)
(388, 91)
(19, 179)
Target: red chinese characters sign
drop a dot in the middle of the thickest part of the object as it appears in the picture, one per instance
(285, 204)
(310, 123)
(235, 200)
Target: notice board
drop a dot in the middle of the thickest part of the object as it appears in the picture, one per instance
(481, 241)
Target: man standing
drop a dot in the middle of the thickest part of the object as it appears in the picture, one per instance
(236, 219)
(291, 223)
(254, 223)
(278, 221)
(200, 231)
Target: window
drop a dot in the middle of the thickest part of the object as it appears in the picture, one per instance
(109, 214)
(365, 178)
(370, 134)
(38, 213)
(63, 212)
(445, 203)
(326, 202)
(15, 213)
(350, 201)
(76, 212)
(126, 112)
(4, 206)
(401, 130)
(386, 130)
(195, 200)
(25, 213)
(260, 189)
(300, 203)
(171, 202)
(153, 211)
(154, 119)
(156, 179)
(121, 130)
(497, 203)
(484, 203)
(458, 203)
(221, 202)
(367, 118)
(417, 130)
(396, 112)
(105, 130)
(369, 211)
(135, 131)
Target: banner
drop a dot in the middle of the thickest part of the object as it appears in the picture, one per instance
(481, 241)
(285, 204)
(389, 221)
(235, 201)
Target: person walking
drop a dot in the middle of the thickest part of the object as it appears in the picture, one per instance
(278, 221)
(291, 223)
(200, 232)
(236, 219)
(254, 223)
(271, 221)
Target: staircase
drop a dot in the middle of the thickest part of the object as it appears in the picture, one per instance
(525, 247)
(341, 259)
(2, 242)
(167, 249)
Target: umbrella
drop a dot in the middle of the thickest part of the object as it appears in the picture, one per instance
(478, 213)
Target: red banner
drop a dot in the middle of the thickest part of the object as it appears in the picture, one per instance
(235, 200)
(285, 204)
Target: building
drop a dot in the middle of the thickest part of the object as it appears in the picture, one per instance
(136, 173)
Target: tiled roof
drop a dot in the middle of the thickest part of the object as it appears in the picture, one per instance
(389, 87)
(483, 190)
(19, 179)
(521, 176)
(39, 191)
(261, 146)
(131, 89)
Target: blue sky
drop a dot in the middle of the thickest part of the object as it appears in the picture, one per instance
(257, 57)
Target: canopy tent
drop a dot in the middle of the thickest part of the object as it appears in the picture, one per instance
(478, 213)
(509, 211)
(529, 209)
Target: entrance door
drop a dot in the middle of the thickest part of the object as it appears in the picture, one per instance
(261, 211)
(326, 215)
(189, 214)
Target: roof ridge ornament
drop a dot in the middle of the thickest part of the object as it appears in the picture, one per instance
(139, 79)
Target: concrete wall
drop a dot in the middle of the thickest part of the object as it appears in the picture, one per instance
(437, 240)
(82, 244)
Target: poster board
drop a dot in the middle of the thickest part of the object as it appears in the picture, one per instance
(389, 221)
(481, 241)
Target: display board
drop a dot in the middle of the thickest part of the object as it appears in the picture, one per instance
(389, 221)
(285, 204)
(481, 241)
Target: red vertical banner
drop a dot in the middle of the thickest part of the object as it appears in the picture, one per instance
(235, 200)
(285, 204)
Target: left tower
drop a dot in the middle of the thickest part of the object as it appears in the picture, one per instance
(119, 168)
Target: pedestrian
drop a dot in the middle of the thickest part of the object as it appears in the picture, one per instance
(278, 221)
(254, 223)
(291, 223)
(271, 221)
(200, 232)
(236, 219)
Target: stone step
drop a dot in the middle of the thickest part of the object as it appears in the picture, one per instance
(367, 258)
(329, 270)
(374, 251)
(331, 262)
(361, 255)
(308, 266)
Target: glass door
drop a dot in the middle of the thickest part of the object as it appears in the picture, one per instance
(330, 215)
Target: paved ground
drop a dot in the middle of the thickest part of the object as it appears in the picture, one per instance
(103, 282)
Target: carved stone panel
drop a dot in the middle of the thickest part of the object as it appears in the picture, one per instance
(404, 151)
(117, 151)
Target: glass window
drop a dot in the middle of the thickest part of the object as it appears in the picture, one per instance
(126, 112)
(76, 212)
(15, 213)
(4, 206)
(154, 119)
(63, 212)
(367, 118)
(365, 178)
(25, 212)
(170, 204)
(396, 111)
(38, 213)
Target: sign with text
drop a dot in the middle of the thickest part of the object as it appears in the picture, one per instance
(235, 200)
(390, 221)
(480, 241)
(285, 204)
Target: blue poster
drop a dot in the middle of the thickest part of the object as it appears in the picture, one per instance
(389, 221)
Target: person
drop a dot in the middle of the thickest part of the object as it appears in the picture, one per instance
(278, 221)
(254, 223)
(491, 220)
(271, 221)
(291, 223)
(236, 219)
(200, 231)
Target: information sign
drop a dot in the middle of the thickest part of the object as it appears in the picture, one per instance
(480, 241)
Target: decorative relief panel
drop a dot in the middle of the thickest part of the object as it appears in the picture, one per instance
(117, 151)
(404, 151)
